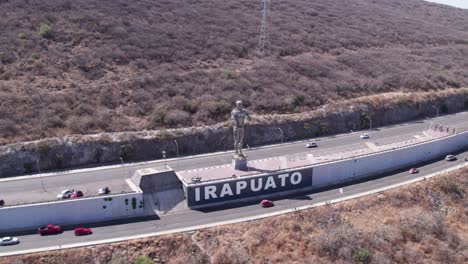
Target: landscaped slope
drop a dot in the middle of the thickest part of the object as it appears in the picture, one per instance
(87, 66)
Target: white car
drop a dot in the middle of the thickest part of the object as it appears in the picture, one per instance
(450, 158)
(311, 145)
(9, 241)
(364, 136)
(65, 194)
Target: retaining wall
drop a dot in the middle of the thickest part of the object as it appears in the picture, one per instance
(71, 212)
(53, 153)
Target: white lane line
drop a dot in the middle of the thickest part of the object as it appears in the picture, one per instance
(234, 221)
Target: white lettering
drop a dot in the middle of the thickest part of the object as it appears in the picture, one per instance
(270, 183)
(283, 179)
(210, 191)
(240, 185)
(258, 187)
(296, 178)
(226, 190)
(197, 194)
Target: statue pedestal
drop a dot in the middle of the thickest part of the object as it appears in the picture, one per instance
(239, 162)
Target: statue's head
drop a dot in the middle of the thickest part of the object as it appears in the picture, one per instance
(239, 104)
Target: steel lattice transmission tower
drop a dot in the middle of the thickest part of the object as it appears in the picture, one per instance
(264, 45)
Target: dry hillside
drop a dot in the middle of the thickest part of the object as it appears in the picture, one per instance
(420, 223)
(86, 66)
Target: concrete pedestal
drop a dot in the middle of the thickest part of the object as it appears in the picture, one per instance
(239, 162)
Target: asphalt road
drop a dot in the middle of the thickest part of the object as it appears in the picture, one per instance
(69, 180)
(194, 218)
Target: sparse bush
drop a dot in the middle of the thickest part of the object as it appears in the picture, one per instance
(362, 256)
(59, 160)
(21, 35)
(45, 31)
(448, 186)
(143, 260)
(43, 148)
(126, 152)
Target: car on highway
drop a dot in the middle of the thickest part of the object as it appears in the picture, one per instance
(450, 158)
(83, 231)
(466, 158)
(364, 136)
(311, 145)
(266, 203)
(413, 170)
(2, 203)
(6, 241)
(49, 230)
(104, 190)
(65, 194)
(77, 194)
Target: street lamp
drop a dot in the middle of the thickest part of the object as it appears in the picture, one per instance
(437, 109)
(282, 135)
(177, 148)
(164, 157)
(370, 124)
(123, 168)
(40, 175)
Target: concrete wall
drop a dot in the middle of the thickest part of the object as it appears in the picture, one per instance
(71, 212)
(329, 174)
(153, 180)
(346, 170)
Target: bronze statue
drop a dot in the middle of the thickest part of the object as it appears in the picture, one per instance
(238, 116)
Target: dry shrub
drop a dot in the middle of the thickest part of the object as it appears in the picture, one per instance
(415, 223)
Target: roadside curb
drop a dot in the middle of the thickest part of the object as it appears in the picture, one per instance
(234, 221)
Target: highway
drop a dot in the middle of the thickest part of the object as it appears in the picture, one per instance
(68, 180)
(195, 218)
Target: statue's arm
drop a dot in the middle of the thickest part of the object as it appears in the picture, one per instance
(247, 115)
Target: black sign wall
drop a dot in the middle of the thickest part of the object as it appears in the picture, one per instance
(203, 194)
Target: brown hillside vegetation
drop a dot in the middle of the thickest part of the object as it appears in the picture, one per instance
(421, 223)
(87, 66)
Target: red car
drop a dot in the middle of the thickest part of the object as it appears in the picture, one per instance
(81, 231)
(49, 230)
(266, 203)
(413, 170)
(77, 194)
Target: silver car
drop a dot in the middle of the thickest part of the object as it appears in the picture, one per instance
(65, 194)
(450, 158)
(6, 241)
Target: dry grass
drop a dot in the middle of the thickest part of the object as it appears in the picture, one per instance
(422, 223)
(120, 66)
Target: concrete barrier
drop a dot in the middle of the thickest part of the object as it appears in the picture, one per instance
(221, 192)
(156, 179)
(71, 212)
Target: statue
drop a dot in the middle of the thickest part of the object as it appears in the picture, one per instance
(238, 116)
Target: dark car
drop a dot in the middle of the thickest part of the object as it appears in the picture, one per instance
(49, 230)
(82, 231)
(2, 202)
(104, 190)
(266, 203)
